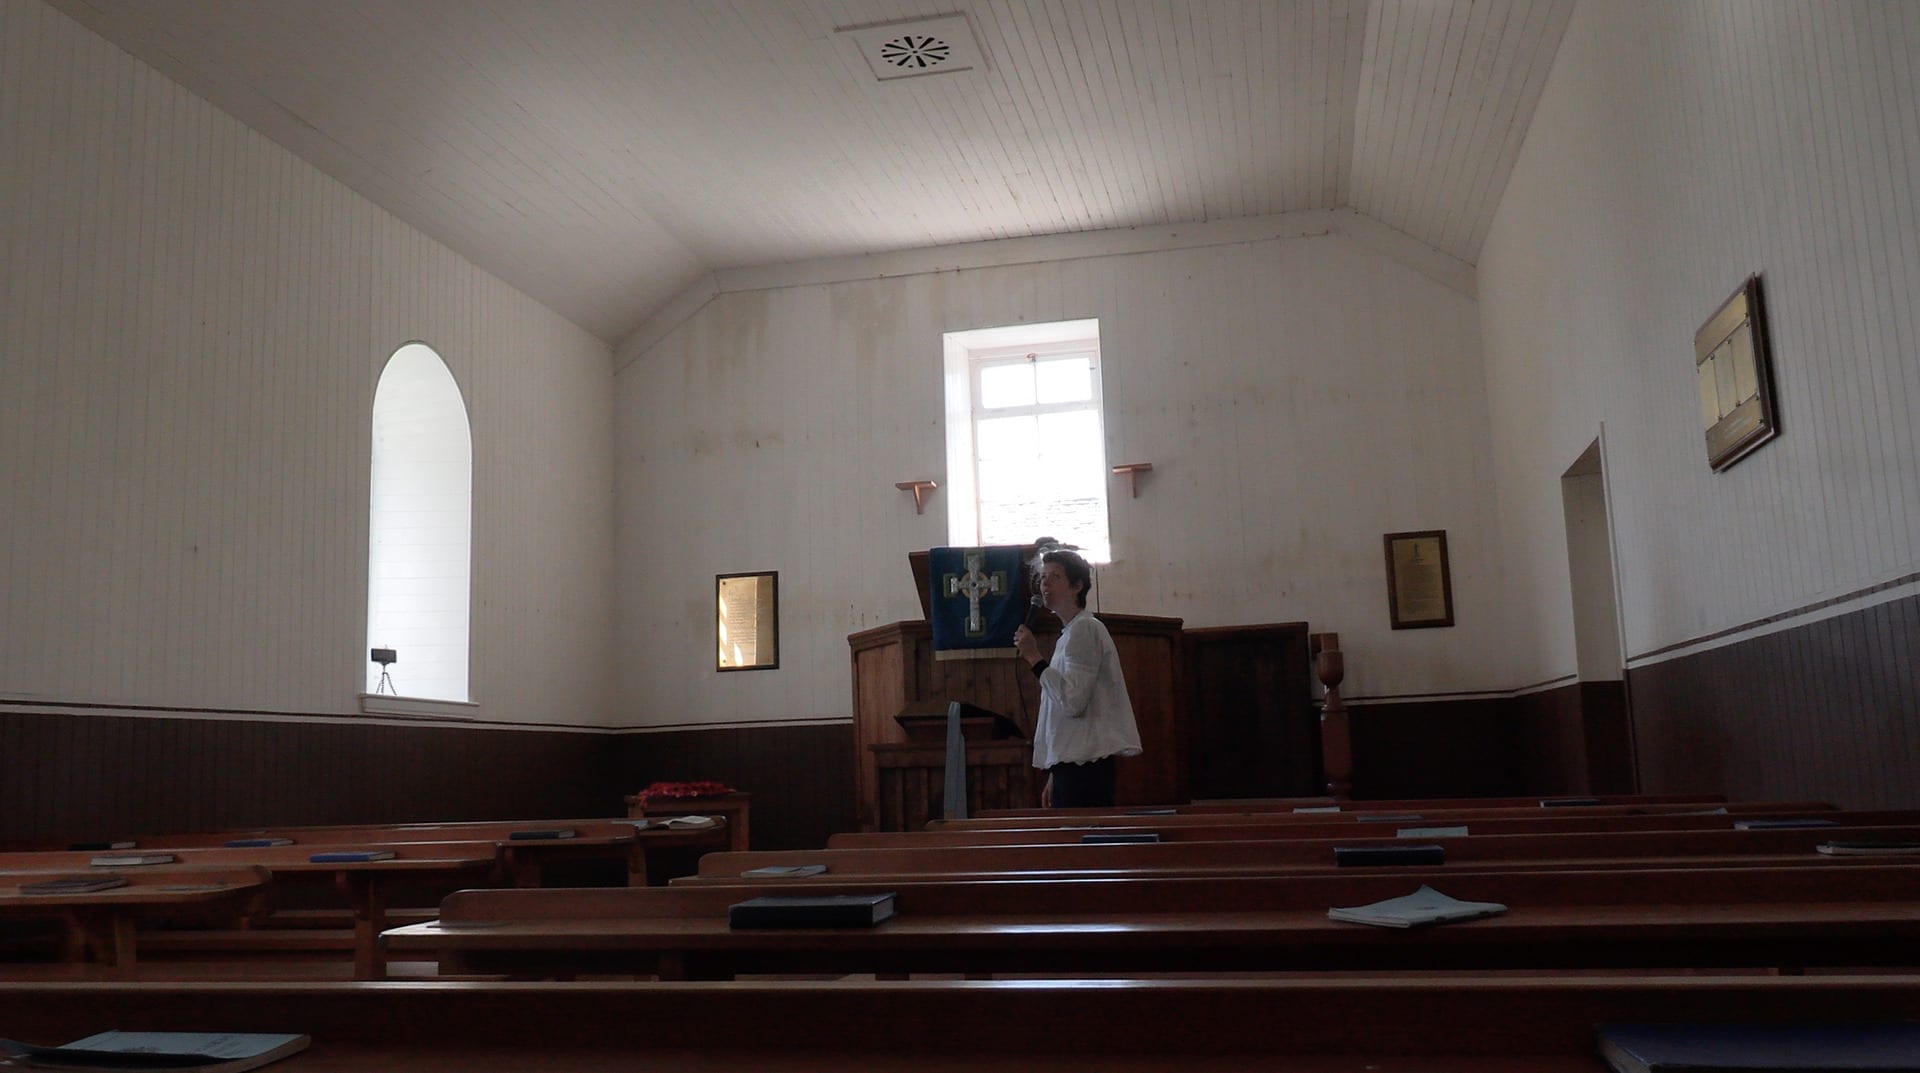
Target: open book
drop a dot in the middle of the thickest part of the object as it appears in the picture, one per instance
(1423, 906)
(678, 823)
(131, 1052)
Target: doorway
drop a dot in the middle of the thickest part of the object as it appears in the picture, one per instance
(1601, 753)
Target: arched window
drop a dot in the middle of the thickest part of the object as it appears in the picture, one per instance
(420, 528)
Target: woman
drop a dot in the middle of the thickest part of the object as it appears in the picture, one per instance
(1086, 718)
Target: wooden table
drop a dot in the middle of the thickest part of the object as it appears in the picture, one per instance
(735, 808)
(102, 925)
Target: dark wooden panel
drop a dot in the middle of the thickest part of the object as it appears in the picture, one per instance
(1437, 748)
(99, 776)
(1249, 701)
(1829, 709)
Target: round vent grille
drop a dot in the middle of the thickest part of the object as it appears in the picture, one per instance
(916, 51)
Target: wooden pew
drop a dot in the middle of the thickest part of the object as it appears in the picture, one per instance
(1422, 816)
(1423, 1024)
(102, 926)
(1414, 804)
(521, 860)
(1781, 917)
(1700, 848)
(361, 883)
(1236, 828)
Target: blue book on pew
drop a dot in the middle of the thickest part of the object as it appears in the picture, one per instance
(1123, 838)
(1568, 802)
(1388, 856)
(1762, 1048)
(1151, 812)
(541, 836)
(256, 843)
(352, 856)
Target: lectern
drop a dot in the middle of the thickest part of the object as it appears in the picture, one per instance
(900, 780)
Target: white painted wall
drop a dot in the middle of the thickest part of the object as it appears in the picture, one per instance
(1297, 396)
(1679, 147)
(194, 322)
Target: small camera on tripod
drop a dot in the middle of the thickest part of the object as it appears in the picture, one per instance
(386, 657)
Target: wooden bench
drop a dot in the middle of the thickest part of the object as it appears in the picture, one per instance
(102, 927)
(1423, 1024)
(1413, 804)
(361, 883)
(1424, 816)
(1789, 917)
(1237, 828)
(521, 860)
(1699, 848)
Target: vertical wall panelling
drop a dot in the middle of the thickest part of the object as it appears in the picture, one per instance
(194, 322)
(1297, 396)
(1679, 147)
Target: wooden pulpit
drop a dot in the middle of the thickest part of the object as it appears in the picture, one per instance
(901, 780)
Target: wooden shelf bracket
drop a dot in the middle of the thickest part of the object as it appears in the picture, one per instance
(1133, 470)
(919, 490)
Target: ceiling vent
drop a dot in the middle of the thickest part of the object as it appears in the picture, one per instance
(916, 47)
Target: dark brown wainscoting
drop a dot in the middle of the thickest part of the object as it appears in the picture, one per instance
(1827, 710)
(1574, 739)
(103, 776)
(1437, 748)
(801, 777)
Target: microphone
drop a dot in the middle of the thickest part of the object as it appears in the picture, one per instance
(1033, 605)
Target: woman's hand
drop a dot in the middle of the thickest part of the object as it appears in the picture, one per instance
(1025, 643)
(1046, 792)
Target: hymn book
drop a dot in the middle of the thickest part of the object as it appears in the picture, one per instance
(814, 911)
(1423, 906)
(352, 856)
(132, 1052)
(785, 871)
(132, 860)
(73, 884)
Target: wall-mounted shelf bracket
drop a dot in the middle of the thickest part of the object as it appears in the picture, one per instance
(1133, 470)
(919, 490)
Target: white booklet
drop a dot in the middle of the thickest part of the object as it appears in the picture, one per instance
(1423, 906)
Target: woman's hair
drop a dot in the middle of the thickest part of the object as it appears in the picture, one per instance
(1079, 574)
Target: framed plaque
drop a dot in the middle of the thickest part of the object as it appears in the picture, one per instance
(1733, 371)
(1419, 582)
(747, 621)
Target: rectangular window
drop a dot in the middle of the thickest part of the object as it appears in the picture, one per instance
(1026, 451)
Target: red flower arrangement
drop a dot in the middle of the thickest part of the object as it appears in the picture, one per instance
(672, 790)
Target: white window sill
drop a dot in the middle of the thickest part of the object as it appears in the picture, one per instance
(418, 707)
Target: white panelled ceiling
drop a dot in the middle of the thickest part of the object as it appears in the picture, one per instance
(601, 155)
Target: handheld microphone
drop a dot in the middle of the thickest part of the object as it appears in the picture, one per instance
(1035, 604)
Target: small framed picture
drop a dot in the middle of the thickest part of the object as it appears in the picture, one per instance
(1733, 370)
(1419, 581)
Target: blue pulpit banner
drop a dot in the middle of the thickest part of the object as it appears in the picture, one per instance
(975, 601)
